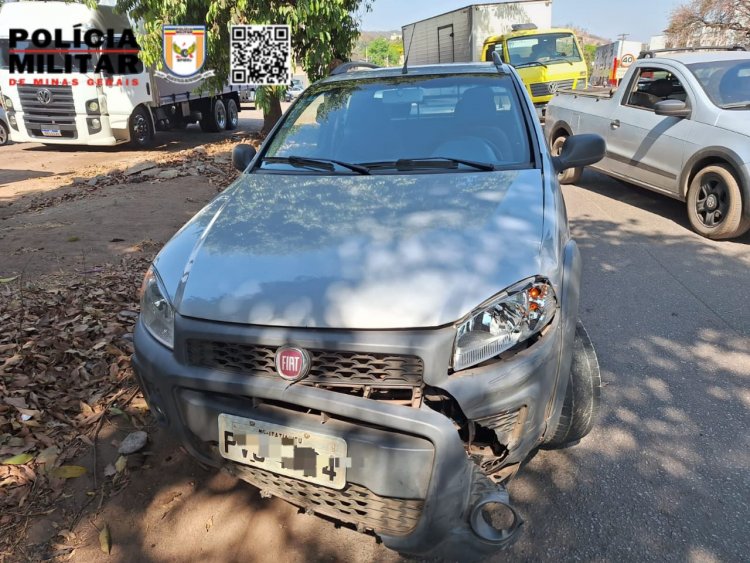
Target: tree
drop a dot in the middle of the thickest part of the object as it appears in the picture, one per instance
(322, 30)
(589, 54)
(382, 52)
(710, 22)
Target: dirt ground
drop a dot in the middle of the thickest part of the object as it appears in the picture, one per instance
(68, 212)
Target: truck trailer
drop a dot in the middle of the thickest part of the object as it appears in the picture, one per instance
(612, 61)
(458, 36)
(546, 58)
(71, 106)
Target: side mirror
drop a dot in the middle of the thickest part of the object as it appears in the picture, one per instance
(579, 151)
(672, 108)
(242, 155)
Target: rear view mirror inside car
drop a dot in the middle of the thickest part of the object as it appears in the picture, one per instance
(403, 96)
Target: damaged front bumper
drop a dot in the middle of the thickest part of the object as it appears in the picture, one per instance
(421, 472)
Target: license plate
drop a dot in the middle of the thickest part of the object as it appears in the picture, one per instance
(51, 132)
(301, 454)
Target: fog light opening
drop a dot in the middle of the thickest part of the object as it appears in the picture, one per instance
(495, 520)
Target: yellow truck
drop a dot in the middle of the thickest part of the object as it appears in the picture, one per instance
(546, 59)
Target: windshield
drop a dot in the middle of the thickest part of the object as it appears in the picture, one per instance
(474, 118)
(544, 48)
(727, 83)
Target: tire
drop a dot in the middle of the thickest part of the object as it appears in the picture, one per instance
(233, 115)
(141, 128)
(4, 134)
(571, 175)
(714, 203)
(216, 120)
(583, 395)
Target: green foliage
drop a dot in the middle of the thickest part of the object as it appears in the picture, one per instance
(382, 52)
(322, 30)
(589, 52)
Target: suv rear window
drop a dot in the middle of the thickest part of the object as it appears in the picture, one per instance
(471, 117)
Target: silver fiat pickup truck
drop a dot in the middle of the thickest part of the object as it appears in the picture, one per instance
(679, 124)
(378, 320)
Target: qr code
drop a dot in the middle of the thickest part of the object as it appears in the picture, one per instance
(261, 55)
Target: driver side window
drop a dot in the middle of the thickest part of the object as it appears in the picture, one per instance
(653, 85)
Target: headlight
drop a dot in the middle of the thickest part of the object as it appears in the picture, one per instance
(508, 319)
(92, 106)
(157, 313)
(8, 103)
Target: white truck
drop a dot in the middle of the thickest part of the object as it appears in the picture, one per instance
(458, 36)
(612, 61)
(96, 108)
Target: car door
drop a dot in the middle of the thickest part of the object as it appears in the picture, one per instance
(643, 146)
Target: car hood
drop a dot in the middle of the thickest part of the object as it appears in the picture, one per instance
(356, 252)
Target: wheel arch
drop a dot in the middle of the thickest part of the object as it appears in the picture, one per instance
(716, 155)
(558, 128)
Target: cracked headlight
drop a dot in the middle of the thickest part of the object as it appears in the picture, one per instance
(512, 317)
(157, 312)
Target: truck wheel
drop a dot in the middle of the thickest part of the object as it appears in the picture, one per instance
(216, 120)
(233, 115)
(571, 175)
(141, 129)
(583, 395)
(714, 203)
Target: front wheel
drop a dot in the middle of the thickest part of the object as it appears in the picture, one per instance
(141, 129)
(583, 395)
(571, 175)
(714, 203)
(4, 134)
(233, 115)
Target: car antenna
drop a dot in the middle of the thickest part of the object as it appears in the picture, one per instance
(405, 70)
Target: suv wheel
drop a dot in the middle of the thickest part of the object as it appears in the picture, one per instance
(216, 120)
(714, 203)
(583, 395)
(572, 175)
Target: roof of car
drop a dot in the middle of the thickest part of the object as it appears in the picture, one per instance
(422, 70)
(688, 58)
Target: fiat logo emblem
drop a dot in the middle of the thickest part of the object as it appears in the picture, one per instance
(292, 363)
(44, 96)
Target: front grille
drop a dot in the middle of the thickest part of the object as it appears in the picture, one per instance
(59, 113)
(354, 504)
(549, 88)
(386, 377)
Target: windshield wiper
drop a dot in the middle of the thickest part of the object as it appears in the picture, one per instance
(563, 59)
(736, 105)
(437, 163)
(531, 63)
(325, 164)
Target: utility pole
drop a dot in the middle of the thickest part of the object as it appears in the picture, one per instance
(623, 36)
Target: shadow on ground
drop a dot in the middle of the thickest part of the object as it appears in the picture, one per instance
(663, 477)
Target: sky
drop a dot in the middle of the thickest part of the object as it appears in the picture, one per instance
(607, 18)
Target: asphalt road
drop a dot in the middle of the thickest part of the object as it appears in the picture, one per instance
(665, 476)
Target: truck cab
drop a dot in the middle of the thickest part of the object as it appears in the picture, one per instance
(547, 60)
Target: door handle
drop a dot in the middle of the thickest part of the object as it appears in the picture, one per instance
(615, 124)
